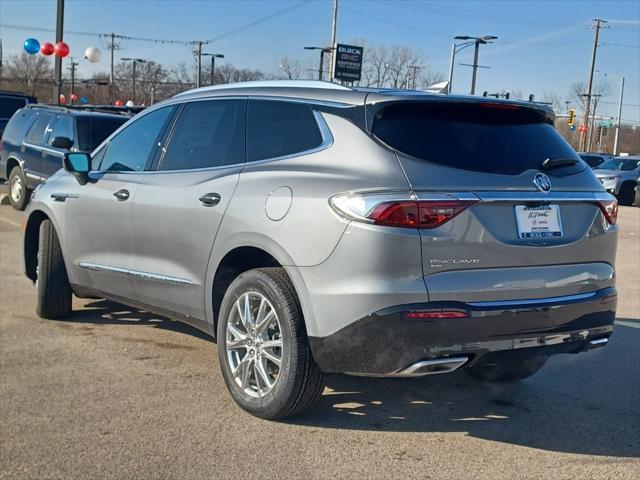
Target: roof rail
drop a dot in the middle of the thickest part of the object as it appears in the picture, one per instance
(269, 84)
(89, 108)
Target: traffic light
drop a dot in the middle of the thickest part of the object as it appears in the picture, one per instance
(572, 117)
(604, 131)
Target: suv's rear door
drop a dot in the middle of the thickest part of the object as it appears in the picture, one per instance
(52, 156)
(489, 156)
(180, 204)
(33, 148)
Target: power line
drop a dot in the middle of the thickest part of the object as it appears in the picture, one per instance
(397, 24)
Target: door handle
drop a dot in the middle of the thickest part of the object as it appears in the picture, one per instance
(122, 195)
(210, 199)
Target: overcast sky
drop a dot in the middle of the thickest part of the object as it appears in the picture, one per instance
(542, 45)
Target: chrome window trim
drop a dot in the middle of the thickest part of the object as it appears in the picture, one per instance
(135, 273)
(489, 197)
(534, 301)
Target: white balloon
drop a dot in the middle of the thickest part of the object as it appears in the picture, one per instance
(129, 103)
(93, 54)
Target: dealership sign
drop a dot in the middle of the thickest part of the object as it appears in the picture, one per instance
(348, 62)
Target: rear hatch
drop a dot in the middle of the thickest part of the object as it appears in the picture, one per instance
(528, 218)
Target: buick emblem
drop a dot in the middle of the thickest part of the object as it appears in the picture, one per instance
(542, 182)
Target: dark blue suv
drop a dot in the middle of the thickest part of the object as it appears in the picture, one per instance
(37, 137)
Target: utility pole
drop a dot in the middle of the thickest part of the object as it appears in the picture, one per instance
(475, 67)
(592, 124)
(213, 65)
(615, 139)
(598, 25)
(72, 67)
(0, 63)
(57, 71)
(334, 26)
(199, 54)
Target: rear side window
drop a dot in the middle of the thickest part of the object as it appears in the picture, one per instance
(93, 130)
(62, 128)
(591, 160)
(492, 138)
(10, 105)
(17, 126)
(38, 130)
(207, 134)
(276, 129)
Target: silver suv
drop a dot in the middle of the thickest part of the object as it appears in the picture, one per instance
(313, 228)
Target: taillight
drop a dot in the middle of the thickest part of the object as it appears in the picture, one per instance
(609, 209)
(417, 214)
(405, 209)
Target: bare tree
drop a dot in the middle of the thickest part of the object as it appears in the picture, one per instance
(150, 76)
(578, 92)
(290, 69)
(556, 101)
(29, 73)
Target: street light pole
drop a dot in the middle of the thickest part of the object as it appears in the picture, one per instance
(323, 50)
(334, 27)
(213, 65)
(455, 48)
(615, 139)
(134, 61)
(598, 26)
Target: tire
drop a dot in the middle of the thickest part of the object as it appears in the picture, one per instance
(54, 290)
(19, 193)
(298, 382)
(627, 194)
(507, 371)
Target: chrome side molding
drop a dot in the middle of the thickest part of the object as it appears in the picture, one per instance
(135, 273)
(534, 301)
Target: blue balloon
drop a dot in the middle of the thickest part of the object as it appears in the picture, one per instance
(84, 100)
(31, 46)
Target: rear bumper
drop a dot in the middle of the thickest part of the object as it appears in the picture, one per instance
(387, 342)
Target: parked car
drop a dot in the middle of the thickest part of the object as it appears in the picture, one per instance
(10, 103)
(637, 196)
(618, 176)
(594, 160)
(37, 137)
(314, 228)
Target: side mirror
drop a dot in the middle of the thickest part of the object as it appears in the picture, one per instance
(62, 142)
(78, 165)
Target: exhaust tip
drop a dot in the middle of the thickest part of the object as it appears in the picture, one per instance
(432, 367)
(599, 342)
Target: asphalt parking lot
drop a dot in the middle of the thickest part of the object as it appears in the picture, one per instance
(119, 393)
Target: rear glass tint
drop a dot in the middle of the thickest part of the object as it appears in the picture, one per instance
(490, 138)
(10, 105)
(93, 130)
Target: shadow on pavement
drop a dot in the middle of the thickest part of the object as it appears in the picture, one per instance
(105, 312)
(587, 403)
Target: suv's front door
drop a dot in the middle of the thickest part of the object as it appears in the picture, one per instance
(33, 148)
(98, 214)
(179, 206)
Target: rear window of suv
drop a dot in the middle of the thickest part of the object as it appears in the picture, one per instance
(484, 137)
(93, 130)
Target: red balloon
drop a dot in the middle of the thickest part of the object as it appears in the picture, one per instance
(119, 103)
(47, 48)
(62, 99)
(61, 49)
(74, 97)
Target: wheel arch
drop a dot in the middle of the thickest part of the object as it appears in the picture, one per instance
(31, 238)
(241, 257)
(12, 162)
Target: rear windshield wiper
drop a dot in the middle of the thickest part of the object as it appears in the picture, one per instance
(555, 162)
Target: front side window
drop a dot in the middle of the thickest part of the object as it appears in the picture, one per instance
(38, 130)
(276, 129)
(131, 149)
(62, 128)
(207, 134)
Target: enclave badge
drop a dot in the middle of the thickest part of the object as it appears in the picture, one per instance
(542, 182)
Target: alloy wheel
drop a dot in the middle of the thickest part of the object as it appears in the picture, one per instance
(254, 344)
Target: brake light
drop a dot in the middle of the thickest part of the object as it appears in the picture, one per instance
(438, 314)
(500, 106)
(418, 214)
(609, 209)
